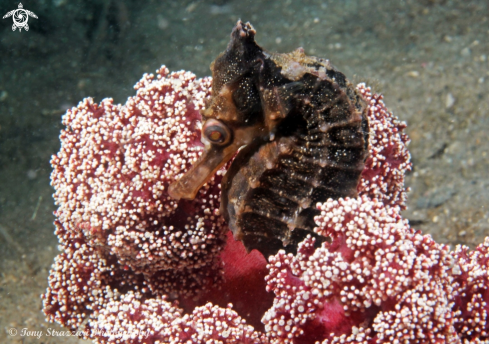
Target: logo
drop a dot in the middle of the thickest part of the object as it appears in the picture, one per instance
(20, 17)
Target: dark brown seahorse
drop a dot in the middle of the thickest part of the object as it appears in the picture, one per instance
(301, 130)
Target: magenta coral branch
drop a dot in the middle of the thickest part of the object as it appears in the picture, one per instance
(389, 159)
(115, 165)
(377, 281)
(471, 279)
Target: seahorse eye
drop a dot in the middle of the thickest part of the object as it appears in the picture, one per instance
(216, 132)
(215, 135)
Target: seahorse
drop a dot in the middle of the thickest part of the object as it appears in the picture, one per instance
(298, 132)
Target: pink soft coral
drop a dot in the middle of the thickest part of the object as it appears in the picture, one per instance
(139, 267)
(378, 281)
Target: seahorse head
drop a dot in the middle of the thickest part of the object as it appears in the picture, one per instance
(234, 116)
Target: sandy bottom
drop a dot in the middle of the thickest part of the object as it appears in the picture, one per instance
(429, 58)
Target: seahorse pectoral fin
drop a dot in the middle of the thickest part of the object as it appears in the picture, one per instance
(211, 160)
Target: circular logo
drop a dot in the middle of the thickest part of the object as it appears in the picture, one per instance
(20, 17)
(12, 331)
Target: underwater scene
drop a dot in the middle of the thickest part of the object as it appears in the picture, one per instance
(223, 171)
